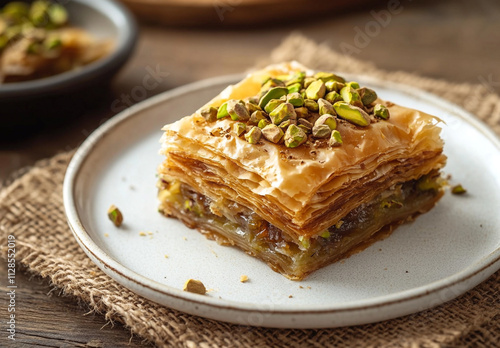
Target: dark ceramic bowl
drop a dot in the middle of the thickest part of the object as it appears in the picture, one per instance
(23, 102)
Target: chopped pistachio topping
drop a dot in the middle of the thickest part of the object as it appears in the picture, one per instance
(263, 123)
(333, 97)
(305, 128)
(350, 95)
(351, 113)
(240, 128)
(237, 110)
(272, 133)
(251, 107)
(325, 234)
(273, 93)
(367, 95)
(209, 114)
(321, 131)
(282, 113)
(427, 183)
(335, 138)
(294, 136)
(327, 119)
(352, 84)
(222, 112)
(334, 86)
(325, 107)
(458, 190)
(253, 135)
(115, 215)
(194, 286)
(311, 105)
(316, 90)
(381, 111)
(308, 81)
(303, 121)
(256, 117)
(273, 104)
(294, 88)
(295, 99)
(302, 112)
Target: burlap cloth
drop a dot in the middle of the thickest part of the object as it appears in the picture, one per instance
(31, 208)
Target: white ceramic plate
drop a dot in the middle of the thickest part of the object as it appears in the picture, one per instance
(441, 255)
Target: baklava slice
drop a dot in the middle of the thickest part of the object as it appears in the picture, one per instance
(299, 168)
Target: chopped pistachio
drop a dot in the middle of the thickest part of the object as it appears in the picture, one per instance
(367, 95)
(339, 224)
(391, 203)
(296, 87)
(194, 286)
(295, 99)
(272, 133)
(305, 242)
(38, 13)
(54, 42)
(285, 124)
(316, 90)
(353, 84)
(351, 113)
(237, 110)
(253, 135)
(302, 112)
(308, 81)
(305, 122)
(326, 76)
(16, 10)
(306, 129)
(271, 83)
(335, 138)
(294, 136)
(115, 215)
(334, 86)
(333, 97)
(273, 104)
(311, 105)
(426, 183)
(325, 234)
(240, 128)
(273, 93)
(222, 111)
(327, 119)
(256, 117)
(282, 113)
(252, 107)
(325, 107)
(350, 95)
(209, 113)
(262, 123)
(57, 14)
(297, 78)
(381, 111)
(321, 131)
(458, 190)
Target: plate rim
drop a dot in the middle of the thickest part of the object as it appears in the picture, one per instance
(89, 246)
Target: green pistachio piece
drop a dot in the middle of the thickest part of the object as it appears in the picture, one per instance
(55, 42)
(316, 90)
(458, 190)
(209, 113)
(381, 111)
(38, 13)
(16, 10)
(350, 95)
(239, 128)
(327, 119)
(306, 129)
(295, 99)
(325, 107)
(285, 124)
(308, 81)
(33, 48)
(426, 183)
(115, 215)
(296, 87)
(237, 110)
(251, 107)
(273, 104)
(326, 76)
(351, 113)
(272, 82)
(294, 136)
(334, 86)
(282, 113)
(321, 131)
(311, 105)
(302, 112)
(335, 138)
(367, 95)
(57, 14)
(263, 123)
(222, 111)
(325, 234)
(297, 78)
(256, 117)
(253, 135)
(304, 122)
(333, 97)
(272, 133)
(353, 84)
(253, 100)
(273, 93)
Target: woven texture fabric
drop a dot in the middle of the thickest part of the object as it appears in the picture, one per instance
(31, 209)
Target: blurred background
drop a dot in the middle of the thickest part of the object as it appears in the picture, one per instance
(182, 41)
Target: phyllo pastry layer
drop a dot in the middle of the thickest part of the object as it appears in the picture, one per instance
(299, 168)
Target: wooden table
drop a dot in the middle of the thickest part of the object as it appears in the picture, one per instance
(454, 40)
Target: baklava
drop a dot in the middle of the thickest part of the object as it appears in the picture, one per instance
(299, 168)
